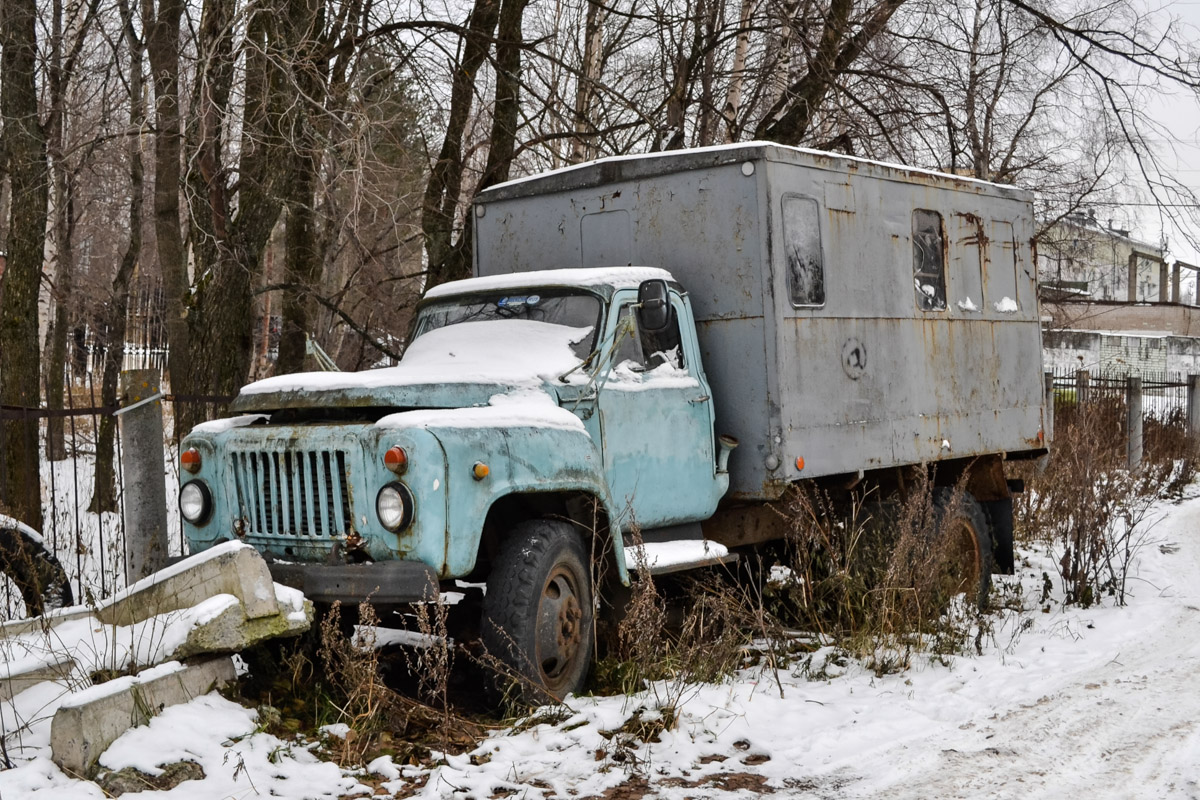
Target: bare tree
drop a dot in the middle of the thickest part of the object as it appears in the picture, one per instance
(24, 149)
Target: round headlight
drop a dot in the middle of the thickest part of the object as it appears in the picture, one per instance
(195, 502)
(394, 506)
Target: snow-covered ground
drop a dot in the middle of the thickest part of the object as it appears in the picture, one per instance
(1064, 702)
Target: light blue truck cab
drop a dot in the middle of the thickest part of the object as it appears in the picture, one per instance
(534, 418)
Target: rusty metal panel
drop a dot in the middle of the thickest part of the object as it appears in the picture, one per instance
(865, 380)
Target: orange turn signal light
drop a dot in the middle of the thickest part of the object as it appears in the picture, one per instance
(799, 463)
(395, 459)
(190, 460)
(480, 470)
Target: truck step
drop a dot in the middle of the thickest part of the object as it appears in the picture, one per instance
(677, 555)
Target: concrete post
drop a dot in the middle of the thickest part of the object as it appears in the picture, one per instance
(1175, 298)
(1193, 411)
(1163, 295)
(1133, 276)
(1048, 420)
(1083, 380)
(1133, 404)
(144, 475)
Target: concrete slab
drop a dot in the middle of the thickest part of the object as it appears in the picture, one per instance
(16, 678)
(230, 568)
(87, 723)
(230, 631)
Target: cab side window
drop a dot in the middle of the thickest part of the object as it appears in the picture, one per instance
(643, 350)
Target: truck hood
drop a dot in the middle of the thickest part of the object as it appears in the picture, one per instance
(453, 367)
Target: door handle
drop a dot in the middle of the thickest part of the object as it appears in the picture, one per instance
(701, 399)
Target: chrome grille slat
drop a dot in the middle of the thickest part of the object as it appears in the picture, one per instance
(293, 493)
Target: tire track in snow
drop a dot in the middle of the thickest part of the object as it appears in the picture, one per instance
(1125, 728)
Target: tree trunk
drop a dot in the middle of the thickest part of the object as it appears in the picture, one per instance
(506, 109)
(445, 256)
(221, 321)
(582, 146)
(302, 259)
(737, 75)
(57, 338)
(104, 496)
(25, 146)
(162, 47)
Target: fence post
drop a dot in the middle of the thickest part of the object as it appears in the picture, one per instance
(143, 472)
(1048, 420)
(1193, 411)
(1083, 380)
(1133, 404)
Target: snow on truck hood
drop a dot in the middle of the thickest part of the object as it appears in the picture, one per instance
(467, 364)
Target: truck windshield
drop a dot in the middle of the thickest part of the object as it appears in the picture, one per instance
(566, 308)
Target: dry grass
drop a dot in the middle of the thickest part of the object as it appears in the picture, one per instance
(876, 577)
(1087, 506)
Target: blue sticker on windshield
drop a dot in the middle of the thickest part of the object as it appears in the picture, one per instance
(504, 302)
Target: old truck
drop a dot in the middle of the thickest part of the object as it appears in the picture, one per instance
(633, 321)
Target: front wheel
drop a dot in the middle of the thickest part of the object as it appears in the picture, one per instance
(538, 615)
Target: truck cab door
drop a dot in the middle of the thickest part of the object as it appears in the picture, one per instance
(656, 419)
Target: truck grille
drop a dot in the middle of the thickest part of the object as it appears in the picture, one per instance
(304, 493)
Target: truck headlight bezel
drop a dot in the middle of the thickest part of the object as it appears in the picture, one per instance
(394, 506)
(195, 495)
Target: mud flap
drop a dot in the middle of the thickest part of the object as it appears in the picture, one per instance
(1000, 521)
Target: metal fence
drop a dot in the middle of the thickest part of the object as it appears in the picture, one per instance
(89, 544)
(1163, 393)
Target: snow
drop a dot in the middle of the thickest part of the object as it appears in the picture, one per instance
(8, 523)
(532, 409)
(966, 304)
(1006, 305)
(513, 352)
(1095, 702)
(118, 685)
(616, 277)
(661, 555)
(229, 423)
(1062, 702)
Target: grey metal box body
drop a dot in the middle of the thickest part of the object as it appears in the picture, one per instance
(865, 380)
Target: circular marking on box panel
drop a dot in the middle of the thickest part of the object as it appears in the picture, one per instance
(854, 358)
(480, 210)
(748, 168)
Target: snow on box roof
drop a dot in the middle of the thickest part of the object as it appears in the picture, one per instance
(755, 149)
(616, 277)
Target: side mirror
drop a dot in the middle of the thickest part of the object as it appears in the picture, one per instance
(654, 306)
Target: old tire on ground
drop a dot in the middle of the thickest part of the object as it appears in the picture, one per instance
(963, 528)
(538, 615)
(32, 569)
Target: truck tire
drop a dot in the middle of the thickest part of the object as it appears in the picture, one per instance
(963, 527)
(32, 569)
(538, 615)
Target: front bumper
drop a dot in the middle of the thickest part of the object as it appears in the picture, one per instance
(381, 582)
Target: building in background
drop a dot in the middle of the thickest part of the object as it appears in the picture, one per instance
(1112, 303)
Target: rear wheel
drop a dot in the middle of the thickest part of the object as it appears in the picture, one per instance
(963, 530)
(538, 615)
(33, 573)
